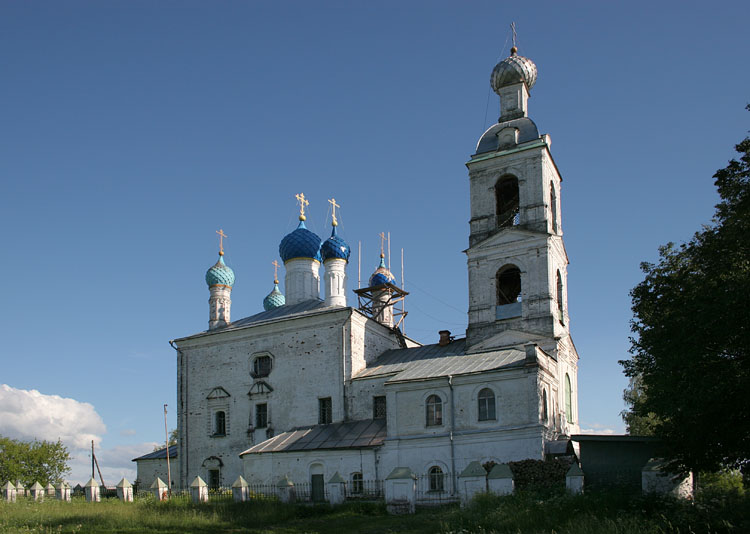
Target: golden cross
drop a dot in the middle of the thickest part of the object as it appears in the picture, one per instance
(302, 203)
(382, 244)
(222, 235)
(513, 29)
(332, 202)
(275, 271)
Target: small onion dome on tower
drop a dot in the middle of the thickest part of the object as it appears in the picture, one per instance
(274, 299)
(382, 275)
(301, 243)
(513, 69)
(334, 247)
(220, 274)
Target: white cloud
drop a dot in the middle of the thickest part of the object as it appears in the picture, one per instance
(596, 428)
(29, 414)
(128, 432)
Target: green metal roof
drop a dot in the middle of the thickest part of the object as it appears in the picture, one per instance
(500, 471)
(400, 473)
(474, 469)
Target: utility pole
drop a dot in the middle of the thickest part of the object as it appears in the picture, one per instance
(166, 442)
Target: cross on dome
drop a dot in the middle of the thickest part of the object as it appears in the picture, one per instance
(302, 201)
(275, 271)
(332, 202)
(222, 235)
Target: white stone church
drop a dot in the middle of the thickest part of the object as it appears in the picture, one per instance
(318, 385)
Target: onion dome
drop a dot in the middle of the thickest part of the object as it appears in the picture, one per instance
(220, 274)
(334, 247)
(513, 69)
(382, 275)
(274, 299)
(301, 243)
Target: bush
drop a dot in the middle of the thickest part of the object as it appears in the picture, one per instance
(540, 474)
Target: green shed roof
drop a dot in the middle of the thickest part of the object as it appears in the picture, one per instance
(124, 483)
(500, 471)
(198, 482)
(474, 469)
(400, 473)
(336, 479)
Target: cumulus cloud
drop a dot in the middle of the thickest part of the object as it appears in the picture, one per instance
(29, 414)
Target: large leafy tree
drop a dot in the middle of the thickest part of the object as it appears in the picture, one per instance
(33, 461)
(690, 364)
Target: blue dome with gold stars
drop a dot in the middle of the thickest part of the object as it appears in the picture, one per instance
(335, 247)
(382, 275)
(220, 274)
(301, 243)
(274, 299)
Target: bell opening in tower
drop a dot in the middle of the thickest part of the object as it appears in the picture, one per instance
(507, 202)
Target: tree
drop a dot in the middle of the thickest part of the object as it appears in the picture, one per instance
(172, 440)
(33, 461)
(690, 364)
(637, 424)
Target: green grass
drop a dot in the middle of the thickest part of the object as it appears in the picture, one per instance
(550, 513)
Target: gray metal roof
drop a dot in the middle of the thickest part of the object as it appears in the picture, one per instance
(348, 435)
(527, 131)
(161, 453)
(433, 361)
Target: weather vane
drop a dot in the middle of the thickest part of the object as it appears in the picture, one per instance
(222, 235)
(332, 202)
(302, 203)
(275, 271)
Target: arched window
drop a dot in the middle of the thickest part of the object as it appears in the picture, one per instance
(560, 296)
(506, 201)
(220, 426)
(437, 478)
(568, 399)
(486, 400)
(357, 483)
(508, 285)
(553, 206)
(545, 415)
(434, 411)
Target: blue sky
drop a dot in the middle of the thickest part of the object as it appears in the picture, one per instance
(131, 131)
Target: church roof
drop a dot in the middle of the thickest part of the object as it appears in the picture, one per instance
(433, 361)
(527, 131)
(277, 313)
(160, 454)
(346, 435)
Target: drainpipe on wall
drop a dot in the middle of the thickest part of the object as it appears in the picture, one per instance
(453, 427)
(181, 443)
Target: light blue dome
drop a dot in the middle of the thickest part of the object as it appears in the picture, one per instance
(302, 243)
(382, 275)
(335, 247)
(220, 274)
(274, 299)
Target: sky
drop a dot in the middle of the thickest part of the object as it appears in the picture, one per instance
(130, 131)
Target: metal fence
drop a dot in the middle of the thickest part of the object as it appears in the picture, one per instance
(436, 489)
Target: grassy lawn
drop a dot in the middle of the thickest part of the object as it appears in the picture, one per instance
(524, 513)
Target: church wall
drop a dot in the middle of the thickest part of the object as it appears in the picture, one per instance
(362, 392)
(269, 468)
(515, 403)
(300, 349)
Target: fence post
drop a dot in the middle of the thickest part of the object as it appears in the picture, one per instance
(20, 490)
(92, 491)
(125, 490)
(471, 481)
(240, 490)
(199, 490)
(286, 490)
(50, 489)
(62, 492)
(37, 492)
(159, 487)
(500, 480)
(574, 479)
(336, 489)
(9, 492)
(401, 491)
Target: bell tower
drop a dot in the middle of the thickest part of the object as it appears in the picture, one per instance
(516, 257)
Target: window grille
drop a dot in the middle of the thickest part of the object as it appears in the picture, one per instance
(261, 366)
(437, 479)
(261, 415)
(434, 411)
(378, 407)
(486, 401)
(325, 411)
